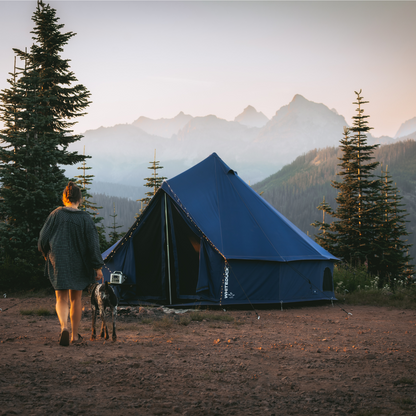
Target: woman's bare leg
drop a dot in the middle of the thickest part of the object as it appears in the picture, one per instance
(62, 307)
(76, 311)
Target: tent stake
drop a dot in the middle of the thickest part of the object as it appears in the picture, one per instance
(281, 305)
(167, 248)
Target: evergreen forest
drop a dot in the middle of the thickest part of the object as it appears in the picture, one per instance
(299, 188)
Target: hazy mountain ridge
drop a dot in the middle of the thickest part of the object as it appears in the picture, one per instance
(163, 127)
(407, 128)
(122, 153)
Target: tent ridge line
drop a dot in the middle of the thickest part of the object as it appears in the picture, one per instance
(218, 201)
(178, 201)
(129, 232)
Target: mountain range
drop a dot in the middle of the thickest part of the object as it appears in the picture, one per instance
(253, 145)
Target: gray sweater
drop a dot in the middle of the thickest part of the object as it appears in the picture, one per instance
(69, 242)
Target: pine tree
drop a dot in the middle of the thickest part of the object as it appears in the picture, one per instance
(390, 247)
(37, 111)
(346, 213)
(154, 182)
(366, 184)
(325, 237)
(369, 226)
(114, 235)
(88, 205)
(84, 181)
(354, 215)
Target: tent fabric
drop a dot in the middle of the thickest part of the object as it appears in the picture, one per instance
(206, 236)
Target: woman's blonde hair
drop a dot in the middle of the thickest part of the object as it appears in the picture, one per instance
(72, 193)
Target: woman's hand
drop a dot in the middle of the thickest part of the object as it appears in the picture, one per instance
(99, 275)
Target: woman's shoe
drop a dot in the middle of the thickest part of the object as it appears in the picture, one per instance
(64, 338)
(80, 340)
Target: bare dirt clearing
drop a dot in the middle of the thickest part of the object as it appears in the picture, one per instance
(306, 360)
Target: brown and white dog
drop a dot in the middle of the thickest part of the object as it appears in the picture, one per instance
(102, 297)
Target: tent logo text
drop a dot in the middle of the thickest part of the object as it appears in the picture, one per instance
(227, 295)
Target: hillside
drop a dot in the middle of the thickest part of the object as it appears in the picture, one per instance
(298, 188)
(126, 210)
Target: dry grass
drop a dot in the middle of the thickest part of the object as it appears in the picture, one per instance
(163, 324)
(38, 312)
(401, 299)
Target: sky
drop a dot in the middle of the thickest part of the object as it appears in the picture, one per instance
(157, 58)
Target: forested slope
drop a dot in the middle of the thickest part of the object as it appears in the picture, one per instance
(126, 210)
(297, 189)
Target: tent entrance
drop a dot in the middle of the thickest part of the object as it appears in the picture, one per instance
(166, 255)
(182, 255)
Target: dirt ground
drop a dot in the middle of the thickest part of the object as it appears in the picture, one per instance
(302, 360)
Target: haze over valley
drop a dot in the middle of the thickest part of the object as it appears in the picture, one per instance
(253, 145)
(279, 156)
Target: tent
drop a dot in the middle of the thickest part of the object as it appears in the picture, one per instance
(206, 237)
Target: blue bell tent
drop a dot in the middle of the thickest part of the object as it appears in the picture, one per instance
(207, 238)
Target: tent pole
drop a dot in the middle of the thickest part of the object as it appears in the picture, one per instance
(167, 248)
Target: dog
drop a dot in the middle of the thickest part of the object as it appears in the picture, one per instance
(102, 297)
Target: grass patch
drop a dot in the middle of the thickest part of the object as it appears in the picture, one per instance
(86, 363)
(38, 312)
(221, 318)
(209, 316)
(197, 316)
(404, 380)
(371, 412)
(27, 294)
(401, 299)
(127, 327)
(164, 324)
(355, 286)
(184, 320)
(404, 400)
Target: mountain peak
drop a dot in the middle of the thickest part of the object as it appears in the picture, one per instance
(298, 98)
(250, 117)
(250, 109)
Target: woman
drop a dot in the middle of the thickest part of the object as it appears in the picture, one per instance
(70, 245)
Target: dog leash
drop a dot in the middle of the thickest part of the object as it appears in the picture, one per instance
(4, 310)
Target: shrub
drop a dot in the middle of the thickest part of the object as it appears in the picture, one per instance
(18, 275)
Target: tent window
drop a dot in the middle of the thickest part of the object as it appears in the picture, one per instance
(327, 282)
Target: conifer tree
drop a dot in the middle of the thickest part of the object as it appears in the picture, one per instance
(88, 205)
(354, 222)
(37, 111)
(369, 226)
(390, 247)
(154, 182)
(346, 212)
(114, 235)
(325, 237)
(84, 181)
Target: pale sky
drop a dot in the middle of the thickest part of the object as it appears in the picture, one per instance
(158, 58)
